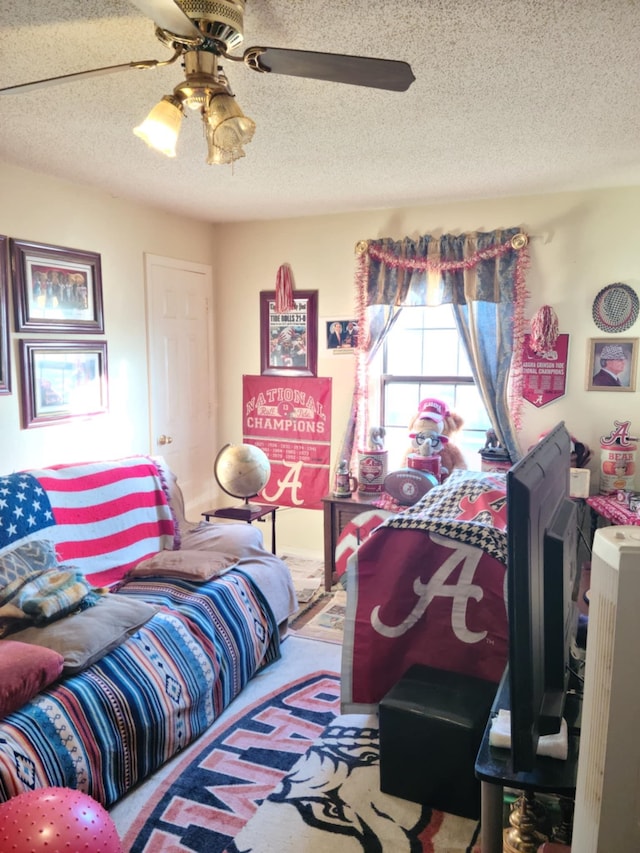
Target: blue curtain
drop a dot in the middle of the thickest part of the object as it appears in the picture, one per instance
(482, 275)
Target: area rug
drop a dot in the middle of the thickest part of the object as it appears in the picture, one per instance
(308, 579)
(331, 799)
(323, 619)
(207, 799)
(286, 774)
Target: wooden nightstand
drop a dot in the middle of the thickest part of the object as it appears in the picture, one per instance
(338, 512)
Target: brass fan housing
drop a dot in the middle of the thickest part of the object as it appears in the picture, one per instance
(220, 21)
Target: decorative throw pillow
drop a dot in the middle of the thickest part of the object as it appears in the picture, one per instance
(31, 558)
(84, 637)
(197, 566)
(25, 670)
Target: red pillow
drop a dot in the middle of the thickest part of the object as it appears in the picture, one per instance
(25, 670)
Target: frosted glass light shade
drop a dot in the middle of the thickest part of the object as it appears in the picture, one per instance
(217, 156)
(161, 127)
(231, 128)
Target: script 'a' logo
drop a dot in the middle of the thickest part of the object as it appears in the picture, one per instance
(291, 482)
(459, 593)
(619, 436)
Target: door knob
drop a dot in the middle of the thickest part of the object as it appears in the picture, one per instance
(165, 439)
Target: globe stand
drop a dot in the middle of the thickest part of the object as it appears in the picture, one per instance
(244, 511)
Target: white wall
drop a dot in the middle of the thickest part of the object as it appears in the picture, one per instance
(586, 241)
(45, 210)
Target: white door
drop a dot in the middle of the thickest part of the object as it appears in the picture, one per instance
(181, 376)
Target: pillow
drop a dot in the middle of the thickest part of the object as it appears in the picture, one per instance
(33, 557)
(198, 566)
(25, 670)
(84, 637)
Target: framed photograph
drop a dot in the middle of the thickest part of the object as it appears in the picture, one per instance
(56, 289)
(62, 380)
(5, 364)
(341, 335)
(289, 342)
(611, 364)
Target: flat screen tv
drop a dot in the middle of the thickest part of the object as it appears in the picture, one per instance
(542, 584)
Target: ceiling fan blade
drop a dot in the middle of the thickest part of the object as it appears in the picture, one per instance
(169, 16)
(78, 75)
(334, 67)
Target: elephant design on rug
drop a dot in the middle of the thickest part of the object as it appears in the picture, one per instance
(335, 788)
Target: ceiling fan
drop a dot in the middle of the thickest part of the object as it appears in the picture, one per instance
(201, 33)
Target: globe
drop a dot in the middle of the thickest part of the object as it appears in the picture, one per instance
(242, 470)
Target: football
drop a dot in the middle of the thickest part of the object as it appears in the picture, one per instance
(408, 485)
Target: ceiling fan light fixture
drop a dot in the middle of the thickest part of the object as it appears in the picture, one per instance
(227, 125)
(217, 156)
(161, 127)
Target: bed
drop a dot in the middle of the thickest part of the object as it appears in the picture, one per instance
(428, 586)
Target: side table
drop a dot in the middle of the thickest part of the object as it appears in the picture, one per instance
(248, 513)
(549, 775)
(338, 512)
(610, 508)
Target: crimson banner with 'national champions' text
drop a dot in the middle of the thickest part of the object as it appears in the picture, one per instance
(289, 418)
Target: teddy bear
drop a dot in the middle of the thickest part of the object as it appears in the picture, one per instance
(432, 431)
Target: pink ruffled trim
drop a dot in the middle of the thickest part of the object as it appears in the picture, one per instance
(362, 395)
(519, 330)
(520, 296)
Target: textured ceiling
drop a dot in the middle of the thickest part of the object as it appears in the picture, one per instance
(511, 97)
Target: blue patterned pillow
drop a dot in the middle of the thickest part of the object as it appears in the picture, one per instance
(31, 558)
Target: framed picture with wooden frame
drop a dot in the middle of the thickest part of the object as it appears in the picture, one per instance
(289, 341)
(612, 364)
(5, 361)
(56, 289)
(62, 380)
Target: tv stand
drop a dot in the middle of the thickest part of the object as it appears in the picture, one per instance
(549, 775)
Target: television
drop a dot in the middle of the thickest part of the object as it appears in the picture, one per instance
(542, 586)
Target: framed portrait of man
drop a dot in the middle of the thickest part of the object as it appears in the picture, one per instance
(612, 364)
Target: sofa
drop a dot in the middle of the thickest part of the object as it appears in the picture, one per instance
(125, 629)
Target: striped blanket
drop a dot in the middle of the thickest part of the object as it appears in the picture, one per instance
(111, 725)
(103, 516)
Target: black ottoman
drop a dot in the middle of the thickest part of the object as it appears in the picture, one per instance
(431, 726)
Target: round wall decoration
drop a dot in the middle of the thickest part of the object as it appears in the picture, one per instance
(615, 308)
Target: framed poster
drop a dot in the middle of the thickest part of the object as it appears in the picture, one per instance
(5, 364)
(62, 380)
(611, 364)
(56, 289)
(289, 341)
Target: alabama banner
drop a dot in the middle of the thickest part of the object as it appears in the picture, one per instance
(289, 418)
(544, 375)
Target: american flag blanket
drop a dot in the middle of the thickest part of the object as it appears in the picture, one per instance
(103, 516)
(428, 586)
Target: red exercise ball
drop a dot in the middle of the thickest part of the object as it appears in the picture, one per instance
(56, 820)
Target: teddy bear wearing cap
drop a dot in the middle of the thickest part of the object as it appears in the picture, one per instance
(613, 361)
(431, 432)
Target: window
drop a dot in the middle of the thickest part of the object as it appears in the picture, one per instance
(422, 356)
